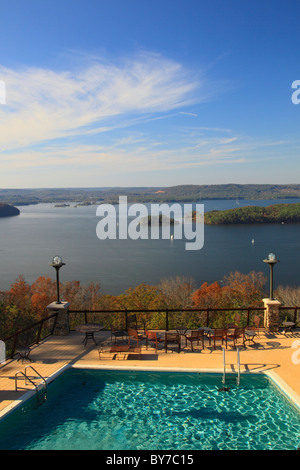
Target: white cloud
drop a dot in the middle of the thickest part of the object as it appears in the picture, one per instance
(44, 105)
(64, 128)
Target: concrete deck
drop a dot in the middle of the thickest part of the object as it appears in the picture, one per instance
(278, 355)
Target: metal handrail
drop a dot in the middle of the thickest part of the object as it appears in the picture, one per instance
(238, 379)
(224, 367)
(27, 377)
(34, 370)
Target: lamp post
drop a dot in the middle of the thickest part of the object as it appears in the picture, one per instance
(271, 261)
(57, 264)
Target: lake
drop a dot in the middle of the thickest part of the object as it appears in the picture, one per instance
(29, 241)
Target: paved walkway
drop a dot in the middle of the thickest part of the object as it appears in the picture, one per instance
(275, 354)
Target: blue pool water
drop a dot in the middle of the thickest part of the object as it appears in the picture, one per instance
(121, 410)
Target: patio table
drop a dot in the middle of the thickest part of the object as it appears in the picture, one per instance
(23, 354)
(288, 325)
(249, 335)
(207, 332)
(89, 329)
(181, 330)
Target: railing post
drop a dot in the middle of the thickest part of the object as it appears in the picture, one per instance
(39, 332)
(54, 324)
(14, 345)
(62, 324)
(271, 315)
(167, 320)
(295, 315)
(248, 316)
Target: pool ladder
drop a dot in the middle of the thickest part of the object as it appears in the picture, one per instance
(238, 379)
(39, 397)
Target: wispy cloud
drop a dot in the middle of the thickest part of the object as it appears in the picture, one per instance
(66, 127)
(45, 105)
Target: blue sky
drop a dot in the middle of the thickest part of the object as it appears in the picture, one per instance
(148, 93)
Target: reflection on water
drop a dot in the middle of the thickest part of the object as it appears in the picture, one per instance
(121, 410)
(29, 242)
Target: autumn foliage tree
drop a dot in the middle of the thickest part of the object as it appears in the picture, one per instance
(43, 292)
(24, 304)
(245, 290)
(17, 311)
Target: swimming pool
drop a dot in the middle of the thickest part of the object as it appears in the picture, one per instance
(125, 410)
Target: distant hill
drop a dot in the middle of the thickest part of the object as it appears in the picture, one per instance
(182, 193)
(7, 211)
(277, 213)
(195, 193)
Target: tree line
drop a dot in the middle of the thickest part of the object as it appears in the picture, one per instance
(277, 213)
(24, 304)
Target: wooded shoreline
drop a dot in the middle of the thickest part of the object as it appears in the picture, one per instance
(276, 213)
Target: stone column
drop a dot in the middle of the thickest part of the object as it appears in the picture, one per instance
(271, 315)
(62, 327)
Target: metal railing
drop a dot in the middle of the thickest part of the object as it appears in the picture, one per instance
(38, 331)
(30, 335)
(208, 313)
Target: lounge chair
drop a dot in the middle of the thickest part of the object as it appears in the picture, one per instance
(196, 335)
(124, 350)
(172, 338)
(151, 337)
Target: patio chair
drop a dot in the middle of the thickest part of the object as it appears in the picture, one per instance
(132, 323)
(196, 335)
(254, 328)
(117, 333)
(181, 330)
(256, 321)
(229, 326)
(132, 333)
(219, 334)
(235, 334)
(172, 338)
(151, 337)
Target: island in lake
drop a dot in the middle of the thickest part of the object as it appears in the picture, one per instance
(277, 213)
(8, 211)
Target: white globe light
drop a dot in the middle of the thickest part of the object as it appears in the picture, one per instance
(57, 260)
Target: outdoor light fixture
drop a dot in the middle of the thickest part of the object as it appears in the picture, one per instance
(271, 260)
(57, 264)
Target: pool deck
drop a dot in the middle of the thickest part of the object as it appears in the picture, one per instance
(277, 355)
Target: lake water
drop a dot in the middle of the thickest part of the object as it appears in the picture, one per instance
(29, 241)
